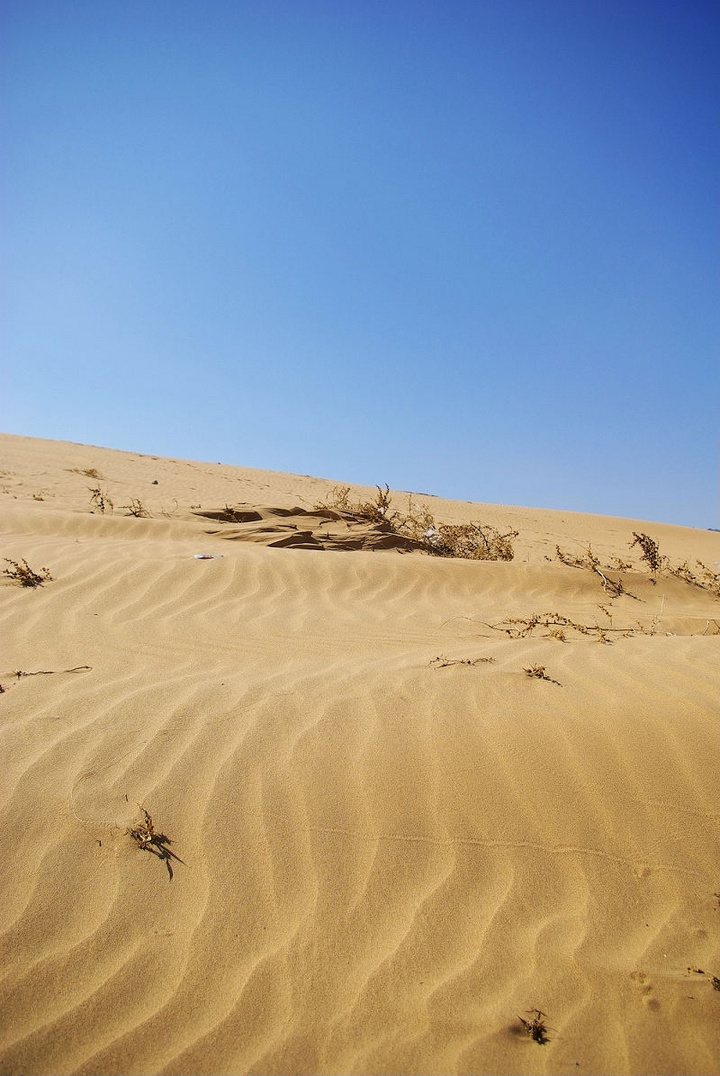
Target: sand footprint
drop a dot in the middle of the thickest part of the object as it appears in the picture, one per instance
(645, 987)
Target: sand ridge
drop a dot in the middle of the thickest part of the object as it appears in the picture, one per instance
(386, 858)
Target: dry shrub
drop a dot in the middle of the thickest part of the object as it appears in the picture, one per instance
(650, 550)
(590, 560)
(701, 576)
(338, 499)
(704, 577)
(100, 500)
(470, 541)
(21, 572)
(376, 511)
(136, 508)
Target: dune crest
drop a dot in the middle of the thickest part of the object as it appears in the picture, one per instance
(285, 811)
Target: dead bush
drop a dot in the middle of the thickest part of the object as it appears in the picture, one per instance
(100, 500)
(21, 572)
(650, 550)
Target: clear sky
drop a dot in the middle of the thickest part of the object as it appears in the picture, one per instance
(466, 248)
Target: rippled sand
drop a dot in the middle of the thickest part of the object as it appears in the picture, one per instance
(384, 860)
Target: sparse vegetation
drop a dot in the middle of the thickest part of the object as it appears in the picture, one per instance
(442, 662)
(100, 501)
(557, 625)
(589, 560)
(701, 576)
(538, 672)
(136, 508)
(49, 672)
(469, 541)
(650, 550)
(21, 572)
(143, 833)
(704, 577)
(536, 1027)
(376, 511)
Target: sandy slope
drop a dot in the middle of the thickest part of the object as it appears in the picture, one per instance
(385, 859)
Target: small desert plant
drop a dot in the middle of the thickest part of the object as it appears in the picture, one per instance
(650, 550)
(537, 672)
(136, 508)
(100, 500)
(143, 833)
(536, 1027)
(22, 573)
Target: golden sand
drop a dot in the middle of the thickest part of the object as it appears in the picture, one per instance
(384, 860)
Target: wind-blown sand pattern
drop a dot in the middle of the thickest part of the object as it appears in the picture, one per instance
(386, 859)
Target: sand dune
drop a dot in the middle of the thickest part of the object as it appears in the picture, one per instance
(392, 841)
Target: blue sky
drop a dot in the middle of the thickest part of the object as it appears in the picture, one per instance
(467, 248)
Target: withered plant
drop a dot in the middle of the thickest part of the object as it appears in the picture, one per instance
(650, 550)
(136, 508)
(146, 837)
(21, 572)
(538, 672)
(469, 541)
(536, 1027)
(100, 500)
(591, 561)
(442, 662)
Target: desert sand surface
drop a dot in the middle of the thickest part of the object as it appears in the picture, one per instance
(372, 840)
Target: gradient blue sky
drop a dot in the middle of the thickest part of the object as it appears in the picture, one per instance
(468, 248)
